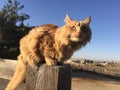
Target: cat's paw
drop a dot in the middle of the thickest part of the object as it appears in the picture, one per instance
(51, 62)
(33, 61)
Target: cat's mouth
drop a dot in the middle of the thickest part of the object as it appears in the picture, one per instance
(79, 38)
(75, 39)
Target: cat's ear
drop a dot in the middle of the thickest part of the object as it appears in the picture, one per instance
(87, 20)
(67, 19)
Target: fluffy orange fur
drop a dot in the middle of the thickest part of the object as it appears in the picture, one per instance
(51, 44)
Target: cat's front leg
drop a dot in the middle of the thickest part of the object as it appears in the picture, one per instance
(50, 61)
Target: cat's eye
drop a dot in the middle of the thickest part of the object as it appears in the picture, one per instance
(73, 28)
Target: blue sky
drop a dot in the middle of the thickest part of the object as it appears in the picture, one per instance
(105, 24)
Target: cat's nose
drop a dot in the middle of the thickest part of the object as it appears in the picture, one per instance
(78, 33)
(78, 24)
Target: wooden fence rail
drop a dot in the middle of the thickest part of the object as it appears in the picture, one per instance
(48, 78)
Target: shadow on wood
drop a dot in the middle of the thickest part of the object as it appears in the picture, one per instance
(48, 78)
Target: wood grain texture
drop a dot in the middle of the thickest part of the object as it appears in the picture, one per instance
(48, 78)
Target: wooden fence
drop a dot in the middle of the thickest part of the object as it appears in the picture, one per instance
(48, 78)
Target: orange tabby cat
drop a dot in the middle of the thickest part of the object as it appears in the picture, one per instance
(51, 44)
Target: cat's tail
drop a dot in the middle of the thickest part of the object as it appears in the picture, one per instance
(19, 74)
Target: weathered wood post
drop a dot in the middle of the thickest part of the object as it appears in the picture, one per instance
(48, 78)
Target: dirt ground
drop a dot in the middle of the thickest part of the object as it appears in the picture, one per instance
(91, 84)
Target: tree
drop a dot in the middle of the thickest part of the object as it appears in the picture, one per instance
(9, 19)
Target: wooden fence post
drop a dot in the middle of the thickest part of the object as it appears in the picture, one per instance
(48, 78)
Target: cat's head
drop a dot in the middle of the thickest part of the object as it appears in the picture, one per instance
(77, 31)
